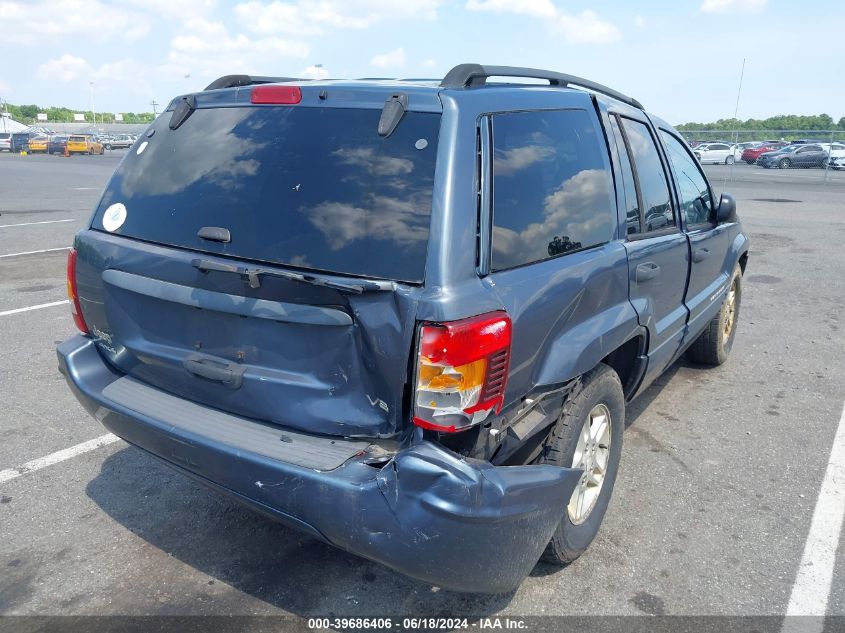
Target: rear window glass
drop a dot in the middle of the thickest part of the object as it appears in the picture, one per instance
(313, 188)
(77, 138)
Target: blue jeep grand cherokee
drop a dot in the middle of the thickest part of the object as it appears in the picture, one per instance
(404, 317)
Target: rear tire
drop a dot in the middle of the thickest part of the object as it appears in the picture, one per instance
(784, 163)
(714, 344)
(729, 160)
(599, 391)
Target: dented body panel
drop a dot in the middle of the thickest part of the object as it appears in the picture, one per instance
(297, 396)
(426, 512)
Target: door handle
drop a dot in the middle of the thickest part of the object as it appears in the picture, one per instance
(647, 271)
(700, 254)
(229, 374)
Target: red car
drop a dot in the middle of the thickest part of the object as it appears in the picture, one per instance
(751, 154)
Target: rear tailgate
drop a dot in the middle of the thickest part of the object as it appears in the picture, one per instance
(310, 190)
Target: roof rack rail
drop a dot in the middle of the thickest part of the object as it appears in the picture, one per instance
(473, 75)
(232, 81)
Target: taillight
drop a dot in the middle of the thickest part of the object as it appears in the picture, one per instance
(72, 295)
(462, 371)
(282, 95)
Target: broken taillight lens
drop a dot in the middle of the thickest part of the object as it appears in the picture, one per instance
(72, 294)
(462, 371)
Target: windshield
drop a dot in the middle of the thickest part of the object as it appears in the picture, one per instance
(313, 188)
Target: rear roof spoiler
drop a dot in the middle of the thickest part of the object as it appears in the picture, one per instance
(232, 81)
(475, 75)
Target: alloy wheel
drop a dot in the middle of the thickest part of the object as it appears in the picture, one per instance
(592, 455)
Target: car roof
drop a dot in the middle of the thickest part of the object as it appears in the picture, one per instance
(370, 91)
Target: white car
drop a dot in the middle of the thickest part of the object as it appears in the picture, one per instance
(834, 150)
(739, 148)
(837, 162)
(716, 153)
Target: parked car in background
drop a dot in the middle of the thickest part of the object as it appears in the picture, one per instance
(837, 162)
(38, 143)
(6, 141)
(121, 141)
(57, 144)
(834, 150)
(716, 153)
(794, 156)
(739, 148)
(20, 141)
(83, 144)
(751, 154)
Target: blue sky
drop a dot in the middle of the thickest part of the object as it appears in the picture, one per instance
(682, 59)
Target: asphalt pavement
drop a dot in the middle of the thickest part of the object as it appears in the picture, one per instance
(720, 472)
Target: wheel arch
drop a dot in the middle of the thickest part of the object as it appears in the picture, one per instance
(629, 360)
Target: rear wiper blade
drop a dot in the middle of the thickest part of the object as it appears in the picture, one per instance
(253, 276)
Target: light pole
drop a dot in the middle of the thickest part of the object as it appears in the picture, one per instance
(93, 113)
(154, 103)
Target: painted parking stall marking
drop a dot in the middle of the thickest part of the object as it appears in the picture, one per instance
(46, 250)
(9, 226)
(58, 456)
(811, 590)
(38, 307)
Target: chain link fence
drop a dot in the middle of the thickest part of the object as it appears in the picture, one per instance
(744, 154)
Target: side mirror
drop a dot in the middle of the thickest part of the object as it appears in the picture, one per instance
(726, 211)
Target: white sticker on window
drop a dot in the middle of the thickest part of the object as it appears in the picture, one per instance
(141, 147)
(114, 217)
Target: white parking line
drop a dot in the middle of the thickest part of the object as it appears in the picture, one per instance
(58, 456)
(8, 226)
(38, 307)
(811, 590)
(46, 250)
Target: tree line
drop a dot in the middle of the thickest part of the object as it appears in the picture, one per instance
(775, 123)
(28, 114)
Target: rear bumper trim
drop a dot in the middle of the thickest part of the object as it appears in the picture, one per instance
(461, 524)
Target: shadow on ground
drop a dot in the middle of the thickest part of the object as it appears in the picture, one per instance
(265, 560)
(256, 555)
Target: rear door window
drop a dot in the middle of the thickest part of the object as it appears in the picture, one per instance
(658, 214)
(552, 190)
(632, 202)
(309, 187)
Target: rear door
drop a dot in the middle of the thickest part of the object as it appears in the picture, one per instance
(658, 257)
(709, 243)
(185, 274)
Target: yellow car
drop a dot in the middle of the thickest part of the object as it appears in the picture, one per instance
(79, 144)
(38, 144)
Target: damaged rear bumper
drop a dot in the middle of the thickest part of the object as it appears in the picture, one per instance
(461, 524)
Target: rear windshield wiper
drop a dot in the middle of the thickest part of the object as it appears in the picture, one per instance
(253, 276)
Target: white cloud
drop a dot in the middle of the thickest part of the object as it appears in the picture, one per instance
(725, 6)
(429, 63)
(171, 9)
(537, 8)
(65, 68)
(392, 59)
(35, 21)
(314, 72)
(206, 49)
(587, 28)
(582, 28)
(316, 16)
